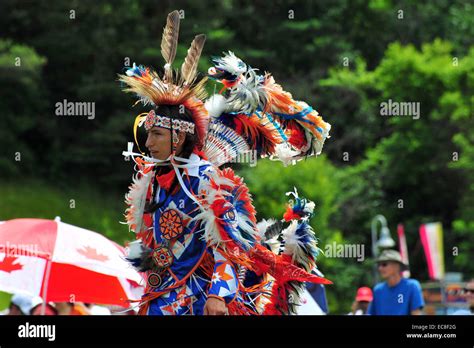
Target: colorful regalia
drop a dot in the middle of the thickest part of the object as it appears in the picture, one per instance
(203, 240)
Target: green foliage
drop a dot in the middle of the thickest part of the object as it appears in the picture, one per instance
(82, 206)
(311, 177)
(5, 299)
(415, 161)
(20, 70)
(343, 57)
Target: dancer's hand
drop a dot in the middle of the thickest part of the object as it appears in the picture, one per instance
(215, 306)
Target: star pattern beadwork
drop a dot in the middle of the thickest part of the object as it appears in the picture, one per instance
(171, 224)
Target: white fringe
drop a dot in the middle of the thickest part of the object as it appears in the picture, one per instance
(136, 199)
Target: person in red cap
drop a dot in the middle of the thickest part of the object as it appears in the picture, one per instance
(361, 304)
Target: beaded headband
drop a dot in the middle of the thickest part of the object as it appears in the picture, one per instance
(152, 119)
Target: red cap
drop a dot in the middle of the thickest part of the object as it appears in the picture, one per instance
(364, 294)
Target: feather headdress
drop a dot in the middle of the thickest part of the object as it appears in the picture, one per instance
(173, 88)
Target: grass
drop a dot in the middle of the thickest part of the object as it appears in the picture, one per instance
(80, 205)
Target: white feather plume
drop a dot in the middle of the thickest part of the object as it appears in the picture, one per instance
(302, 254)
(285, 154)
(231, 63)
(262, 227)
(136, 199)
(273, 242)
(216, 105)
(135, 249)
(309, 207)
(291, 239)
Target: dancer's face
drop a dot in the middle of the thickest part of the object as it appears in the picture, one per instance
(159, 140)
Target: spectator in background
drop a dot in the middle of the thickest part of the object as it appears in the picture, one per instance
(21, 304)
(468, 293)
(397, 295)
(361, 304)
(37, 307)
(68, 308)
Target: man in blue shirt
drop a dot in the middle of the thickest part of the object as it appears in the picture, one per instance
(397, 295)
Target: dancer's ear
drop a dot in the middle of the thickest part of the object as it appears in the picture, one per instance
(181, 138)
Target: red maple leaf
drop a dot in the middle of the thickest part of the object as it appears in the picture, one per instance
(8, 264)
(91, 253)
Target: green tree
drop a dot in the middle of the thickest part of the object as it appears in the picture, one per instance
(411, 175)
(21, 134)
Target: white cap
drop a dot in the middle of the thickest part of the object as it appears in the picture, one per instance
(26, 302)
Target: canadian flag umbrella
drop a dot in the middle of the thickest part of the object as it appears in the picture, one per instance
(64, 263)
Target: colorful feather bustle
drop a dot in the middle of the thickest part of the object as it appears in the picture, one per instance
(228, 214)
(298, 208)
(297, 116)
(299, 238)
(260, 136)
(237, 109)
(295, 247)
(301, 244)
(301, 131)
(247, 95)
(223, 144)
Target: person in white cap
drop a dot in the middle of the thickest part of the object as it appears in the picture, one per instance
(22, 303)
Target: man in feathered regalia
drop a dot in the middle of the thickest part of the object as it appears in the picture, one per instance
(198, 242)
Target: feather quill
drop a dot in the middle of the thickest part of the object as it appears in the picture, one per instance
(169, 42)
(190, 65)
